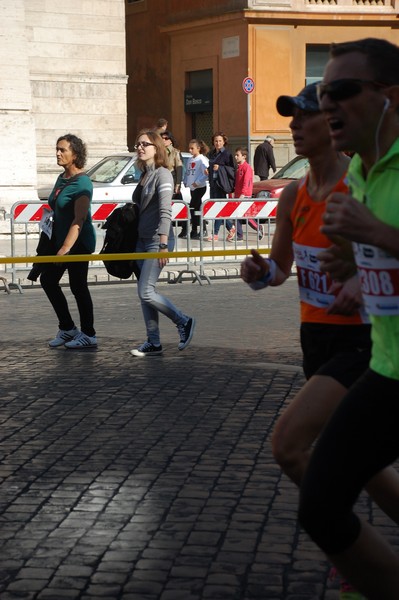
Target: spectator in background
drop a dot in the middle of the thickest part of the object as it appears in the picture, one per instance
(264, 158)
(174, 160)
(221, 174)
(161, 126)
(195, 179)
(242, 188)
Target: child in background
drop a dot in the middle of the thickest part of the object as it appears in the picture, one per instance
(195, 178)
(242, 188)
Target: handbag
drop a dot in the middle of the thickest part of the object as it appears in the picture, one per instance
(121, 237)
(45, 247)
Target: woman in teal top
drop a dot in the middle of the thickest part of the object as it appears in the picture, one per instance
(72, 233)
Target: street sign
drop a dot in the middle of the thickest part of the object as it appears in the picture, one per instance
(248, 85)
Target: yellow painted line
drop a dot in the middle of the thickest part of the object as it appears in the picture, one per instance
(130, 256)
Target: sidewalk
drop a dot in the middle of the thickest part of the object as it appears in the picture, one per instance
(153, 479)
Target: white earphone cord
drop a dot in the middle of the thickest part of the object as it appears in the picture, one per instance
(377, 131)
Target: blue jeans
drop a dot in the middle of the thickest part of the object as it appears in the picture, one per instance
(218, 192)
(219, 222)
(152, 303)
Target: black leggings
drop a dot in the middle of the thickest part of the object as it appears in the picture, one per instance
(195, 205)
(77, 272)
(360, 440)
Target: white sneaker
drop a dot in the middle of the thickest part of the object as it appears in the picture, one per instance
(63, 336)
(82, 341)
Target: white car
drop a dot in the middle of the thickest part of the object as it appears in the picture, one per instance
(116, 176)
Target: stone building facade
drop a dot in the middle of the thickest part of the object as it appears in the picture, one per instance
(63, 69)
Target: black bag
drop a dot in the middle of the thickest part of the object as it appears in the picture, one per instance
(226, 178)
(121, 237)
(45, 247)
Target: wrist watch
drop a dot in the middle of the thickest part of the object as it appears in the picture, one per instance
(163, 246)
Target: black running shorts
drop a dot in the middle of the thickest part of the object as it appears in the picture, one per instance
(338, 351)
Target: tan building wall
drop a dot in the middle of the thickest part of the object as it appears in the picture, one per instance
(268, 40)
(154, 77)
(190, 54)
(148, 65)
(285, 74)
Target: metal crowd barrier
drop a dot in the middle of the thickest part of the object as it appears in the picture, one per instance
(25, 218)
(247, 211)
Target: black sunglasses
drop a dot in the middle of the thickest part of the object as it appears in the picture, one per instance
(343, 89)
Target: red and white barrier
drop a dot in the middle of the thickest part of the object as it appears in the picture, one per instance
(32, 212)
(244, 209)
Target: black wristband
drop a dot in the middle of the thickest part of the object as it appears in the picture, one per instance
(163, 246)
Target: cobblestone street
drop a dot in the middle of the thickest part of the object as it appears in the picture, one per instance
(153, 479)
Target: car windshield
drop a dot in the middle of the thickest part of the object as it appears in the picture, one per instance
(109, 168)
(135, 171)
(295, 169)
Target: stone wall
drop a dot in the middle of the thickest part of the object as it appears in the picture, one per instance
(63, 69)
(17, 140)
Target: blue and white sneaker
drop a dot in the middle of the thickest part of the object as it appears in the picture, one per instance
(81, 341)
(63, 336)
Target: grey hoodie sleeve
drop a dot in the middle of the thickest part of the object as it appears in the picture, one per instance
(156, 203)
(165, 187)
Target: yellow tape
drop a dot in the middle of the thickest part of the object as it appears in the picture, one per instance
(131, 256)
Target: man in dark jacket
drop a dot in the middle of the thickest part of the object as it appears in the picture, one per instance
(264, 159)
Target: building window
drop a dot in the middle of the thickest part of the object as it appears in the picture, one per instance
(198, 96)
(317, 56)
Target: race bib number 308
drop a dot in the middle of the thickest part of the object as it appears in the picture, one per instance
(379, 277)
